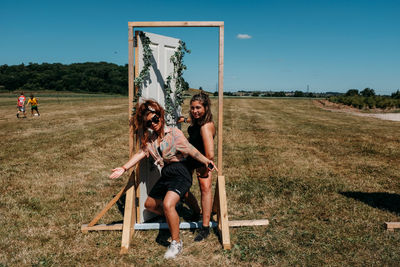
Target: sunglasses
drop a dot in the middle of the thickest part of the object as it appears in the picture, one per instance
(155, 119)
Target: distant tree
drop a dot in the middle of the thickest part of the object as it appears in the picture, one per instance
(255, 94)
(279, 94)
(396, 95)
(352, 92)
(298, 94)
(201, 88)
(367, 92)
(80, 77)
(215, 93)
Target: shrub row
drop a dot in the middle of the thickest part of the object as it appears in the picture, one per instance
(362, 102)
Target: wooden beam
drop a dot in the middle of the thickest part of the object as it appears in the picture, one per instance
(390, 226)
(130, 87)
(129, 217)
(241, 223)
(223, 213)
(220, 98)
(109, 205)
(102, 227)
(163, 225)
(132, 137)
(176, 24)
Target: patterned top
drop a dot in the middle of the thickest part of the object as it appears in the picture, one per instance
(174, 147)
(21, 101)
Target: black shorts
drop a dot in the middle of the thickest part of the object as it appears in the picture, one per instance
(34, 108)
(174, 177)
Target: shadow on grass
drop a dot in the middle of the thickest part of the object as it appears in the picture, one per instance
(381, 200)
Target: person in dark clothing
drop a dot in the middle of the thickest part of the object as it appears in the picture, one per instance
(201, 136)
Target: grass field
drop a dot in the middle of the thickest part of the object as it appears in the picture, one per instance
(326, 181)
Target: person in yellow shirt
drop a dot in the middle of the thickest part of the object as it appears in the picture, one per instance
(34, 104)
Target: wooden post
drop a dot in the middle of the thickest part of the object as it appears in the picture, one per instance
(137, 188)
(222, 207)
(220, 97)
(130, 201)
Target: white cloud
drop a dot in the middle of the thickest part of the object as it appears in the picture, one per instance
(243, 36)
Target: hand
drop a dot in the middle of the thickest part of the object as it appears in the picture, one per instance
(117, 172)
(211, 166)
(181, 119)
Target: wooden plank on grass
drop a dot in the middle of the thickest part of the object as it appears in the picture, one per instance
(102, 227)
(390, 226)
(163, 225)
(241, 223)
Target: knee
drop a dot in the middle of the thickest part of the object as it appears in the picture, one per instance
(205, 188)
(150, 204)
(168, 206)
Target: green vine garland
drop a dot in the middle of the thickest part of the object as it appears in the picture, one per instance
(180, 84)
(144, 73)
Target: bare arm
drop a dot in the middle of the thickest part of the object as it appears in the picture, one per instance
(207, 132)
(117, 172)
(194, 153)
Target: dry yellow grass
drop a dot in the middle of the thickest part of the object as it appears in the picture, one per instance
(326, 181)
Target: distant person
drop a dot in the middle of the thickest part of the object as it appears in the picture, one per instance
(169, 149)
(21, 105)
(34, 104)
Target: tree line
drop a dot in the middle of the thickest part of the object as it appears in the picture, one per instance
(367, 99)
(92, 77)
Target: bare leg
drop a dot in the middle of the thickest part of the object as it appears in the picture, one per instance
(169, 203)
(154, 205)
(206, 198)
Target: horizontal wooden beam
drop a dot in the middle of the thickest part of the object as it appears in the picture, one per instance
(182, 225)
(390, 226)
(248, 223)
(176, 24)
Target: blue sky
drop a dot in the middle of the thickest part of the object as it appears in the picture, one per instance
(326, 45)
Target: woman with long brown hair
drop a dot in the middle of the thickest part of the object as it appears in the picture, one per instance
(201, 136)
(169, 148)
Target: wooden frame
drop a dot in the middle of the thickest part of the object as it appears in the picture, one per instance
(131, 189)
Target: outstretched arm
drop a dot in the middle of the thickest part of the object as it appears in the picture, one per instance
(117, 172)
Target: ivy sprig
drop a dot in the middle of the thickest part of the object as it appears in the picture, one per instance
(180, 84)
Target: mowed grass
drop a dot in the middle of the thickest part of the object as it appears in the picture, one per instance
(326, 181)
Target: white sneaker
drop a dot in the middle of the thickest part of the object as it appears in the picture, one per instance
(173, 249)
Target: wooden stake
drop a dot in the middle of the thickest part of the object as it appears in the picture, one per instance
(223, 213)
(129, 217)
